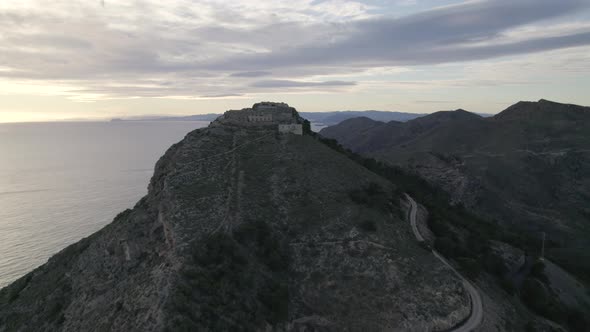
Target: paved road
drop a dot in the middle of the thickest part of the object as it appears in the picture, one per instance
(476, 315)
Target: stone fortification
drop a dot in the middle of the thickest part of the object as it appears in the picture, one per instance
(261, 114)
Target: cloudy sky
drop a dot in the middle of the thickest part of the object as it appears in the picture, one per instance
(93, 59)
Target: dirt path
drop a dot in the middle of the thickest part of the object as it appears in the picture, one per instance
(233, 208)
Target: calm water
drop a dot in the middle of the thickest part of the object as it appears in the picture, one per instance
(60, 182)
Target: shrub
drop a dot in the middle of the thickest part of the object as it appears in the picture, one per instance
(470, 266)
(494, 264)
(540, 299)
(538, 272)
(530, 327)
(368, 225)
(372, 195)
(268, 246)
(507, 286)
(445, 245)
(233, 281)
(577, 321)
(535, 295)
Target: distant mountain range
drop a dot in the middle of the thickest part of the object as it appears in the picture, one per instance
(320, 118)
(332, 118)
(196, 117)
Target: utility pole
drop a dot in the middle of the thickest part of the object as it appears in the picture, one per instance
(543, 248)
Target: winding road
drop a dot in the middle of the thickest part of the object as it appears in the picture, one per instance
(476, 316)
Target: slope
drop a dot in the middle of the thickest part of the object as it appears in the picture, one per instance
(524, 170)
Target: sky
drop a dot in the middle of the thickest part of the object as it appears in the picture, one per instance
(99, 59)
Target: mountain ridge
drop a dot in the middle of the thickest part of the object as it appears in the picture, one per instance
(533, 154)
(529, 109)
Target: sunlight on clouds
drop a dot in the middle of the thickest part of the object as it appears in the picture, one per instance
(23, 116)
(33, 88)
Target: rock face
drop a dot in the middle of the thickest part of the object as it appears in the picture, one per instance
(245, 229)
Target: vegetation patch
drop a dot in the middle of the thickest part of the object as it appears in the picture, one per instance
(368, 225)
(373, 196)
(233, 282)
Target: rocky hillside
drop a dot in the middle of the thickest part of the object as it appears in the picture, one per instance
(245, 229)
(526, 170)
(527, 165)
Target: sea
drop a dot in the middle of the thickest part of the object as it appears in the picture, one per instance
(60, 182)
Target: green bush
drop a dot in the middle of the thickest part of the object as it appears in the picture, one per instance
(268, 245)
(495, 265)
(538, 272)
(541, 300)
(577, 321)
(233, 281)
(534, 294)
(445, 246)
(372, 195)
(470, 267)
(507, 286)
(368, 225)
(530, 327)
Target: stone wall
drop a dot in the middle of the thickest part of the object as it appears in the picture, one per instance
(261, 114)
(292, 128)
(260, 118)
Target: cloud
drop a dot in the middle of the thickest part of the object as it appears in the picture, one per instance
(251, 74)
(447, 34)
(298, 84)
(435, 101)
(223, 95)
(217, 48)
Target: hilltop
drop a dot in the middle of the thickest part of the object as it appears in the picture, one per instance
(248, 224)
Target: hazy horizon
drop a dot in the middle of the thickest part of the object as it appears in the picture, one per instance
(97, 60)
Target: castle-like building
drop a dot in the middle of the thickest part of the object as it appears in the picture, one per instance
(281, 115)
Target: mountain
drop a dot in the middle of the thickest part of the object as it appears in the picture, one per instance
(524, 172)
(245, 228)
(365, 135)
(332, 118)
(526, 167)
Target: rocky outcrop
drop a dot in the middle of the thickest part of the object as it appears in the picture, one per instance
(245, 229)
